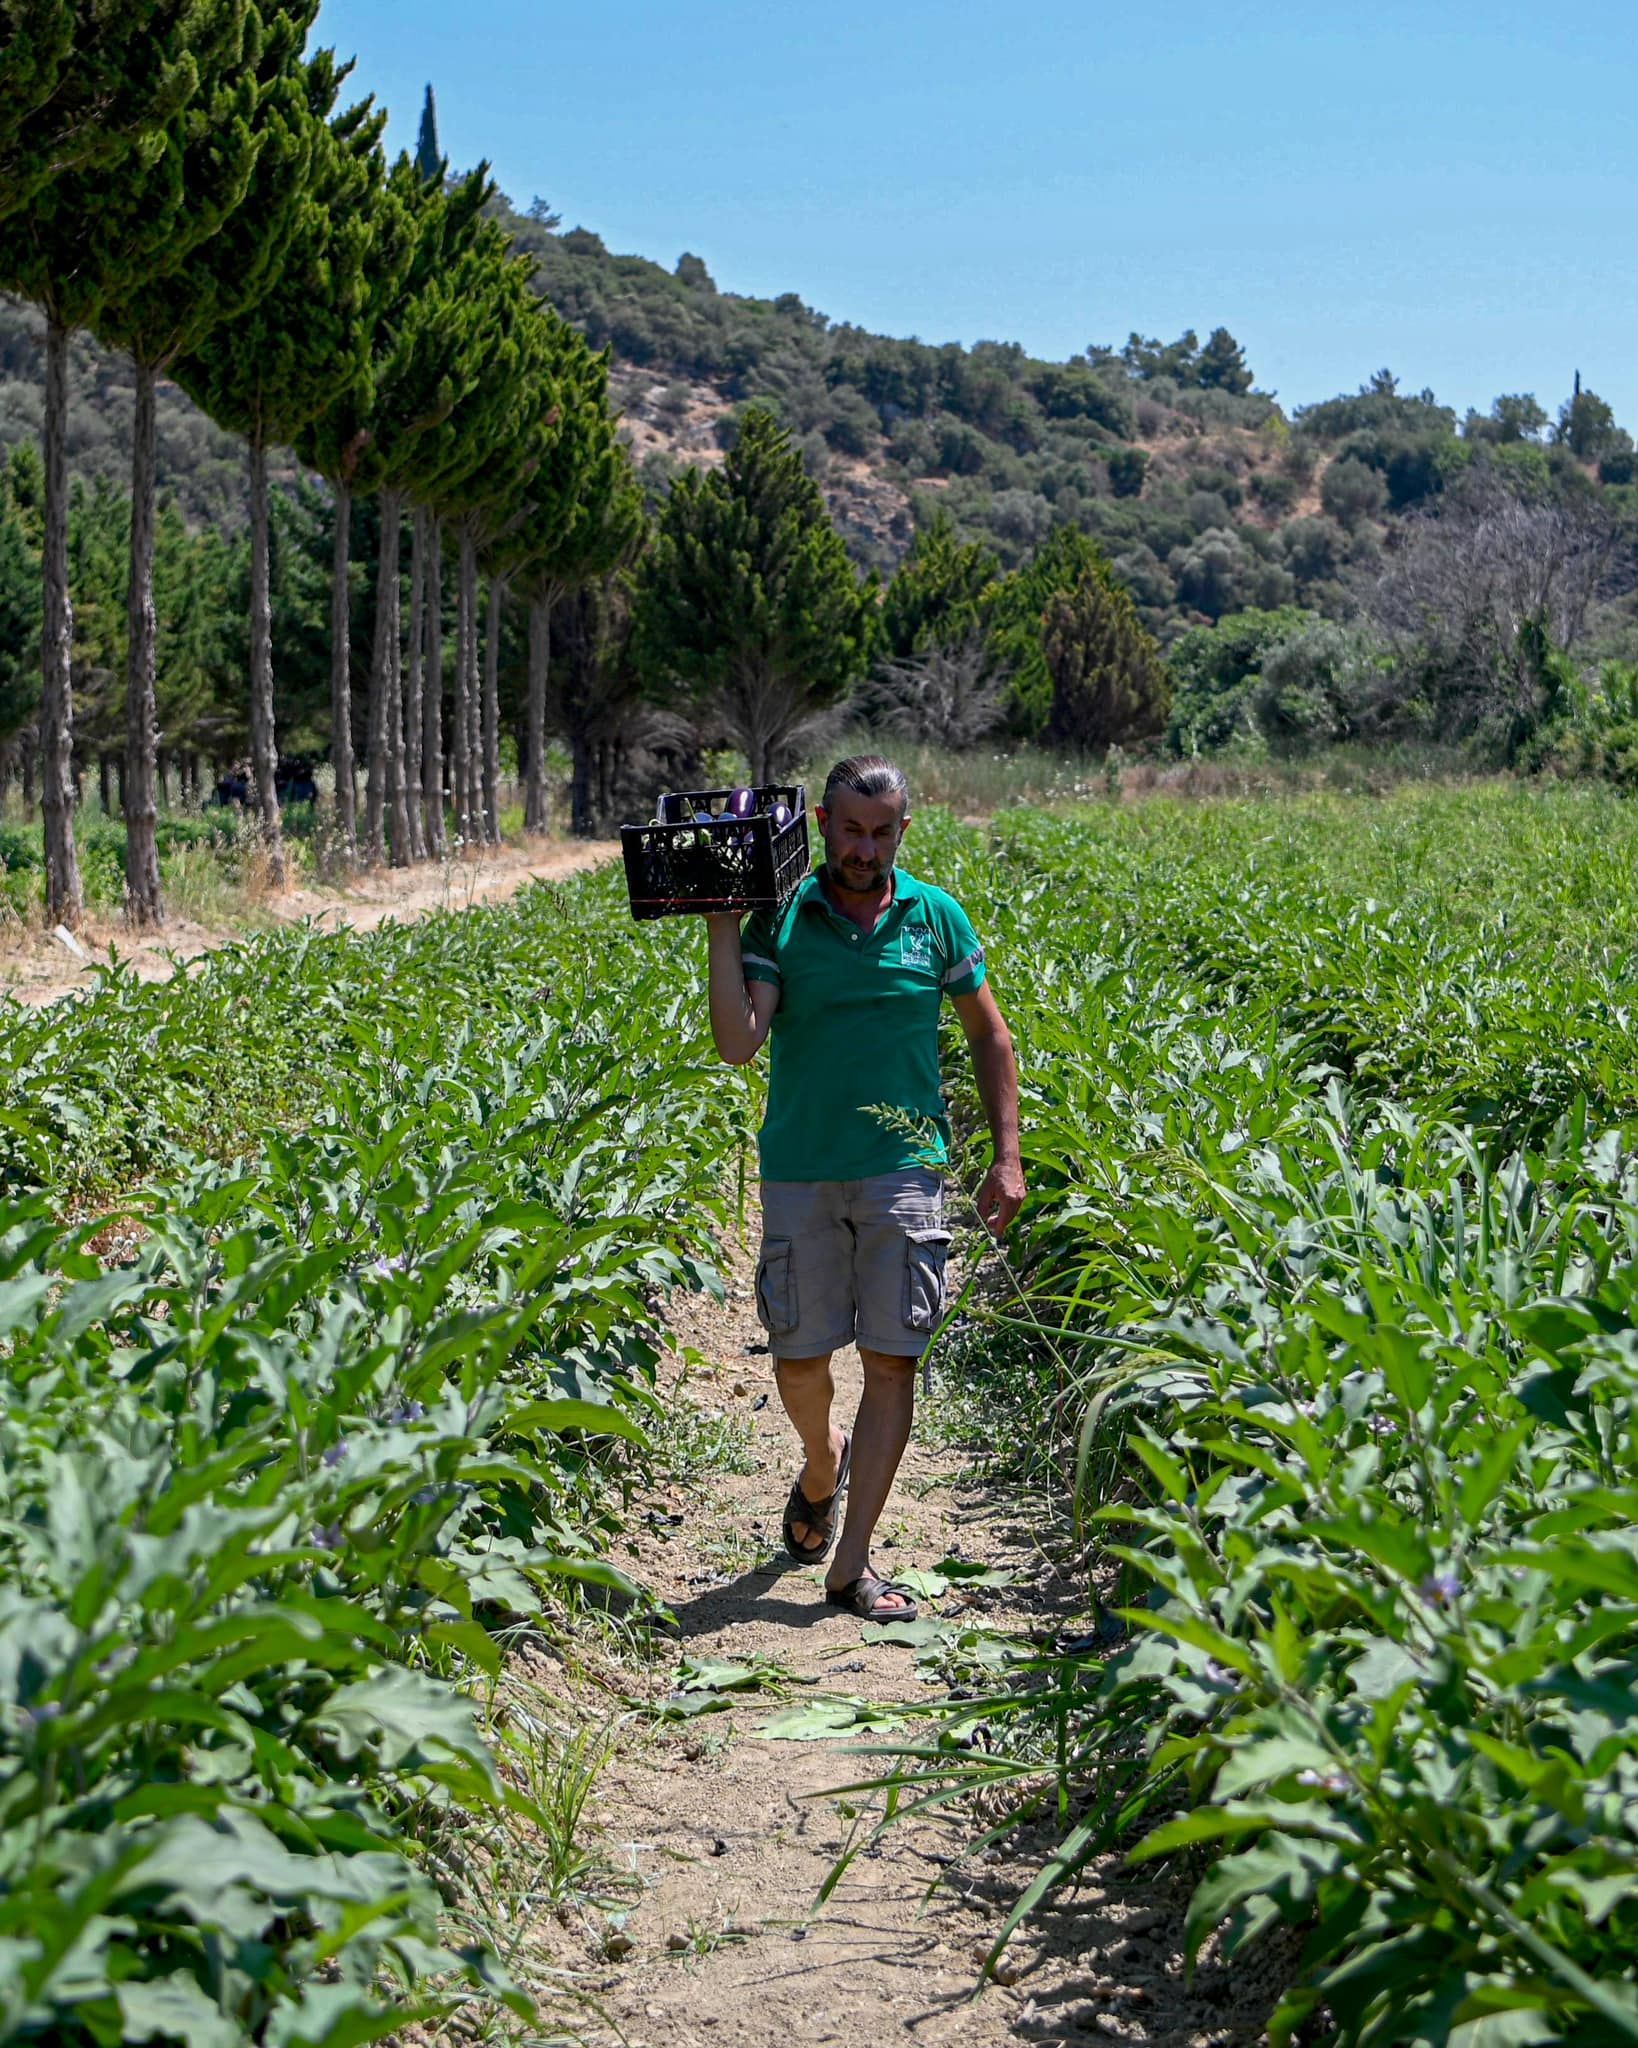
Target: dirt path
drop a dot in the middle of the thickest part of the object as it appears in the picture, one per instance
(731, 1835)
(36, 967)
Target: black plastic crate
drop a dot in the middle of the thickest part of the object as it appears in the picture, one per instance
(684, 865)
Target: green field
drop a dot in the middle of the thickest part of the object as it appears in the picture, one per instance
(331, 1277)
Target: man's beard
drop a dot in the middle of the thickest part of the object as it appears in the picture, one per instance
(860, 883)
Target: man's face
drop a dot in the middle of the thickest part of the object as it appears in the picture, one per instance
(861, 835)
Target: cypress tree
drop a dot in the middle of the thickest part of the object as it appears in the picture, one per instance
(428, 158)
(429, 362)
(278, 365)
(373, 236)
(474, 465)
(423, 693)
(585, 519)
(747, 599)
(84, 93)
(81, 87)
(244, 134)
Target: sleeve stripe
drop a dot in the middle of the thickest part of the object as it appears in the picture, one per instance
(757, 960)
(963, 968)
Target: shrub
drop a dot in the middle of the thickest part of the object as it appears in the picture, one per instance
(1214, 575)
(1315, 549)
(1127, 469)
(1213, 670)
(1274, 490)
(1206, 510)
(1350, 491)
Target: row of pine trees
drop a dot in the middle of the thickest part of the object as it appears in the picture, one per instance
(181, 179)
(178, 179)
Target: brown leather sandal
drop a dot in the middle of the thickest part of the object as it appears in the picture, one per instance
(867, 1598)
(819, 1516)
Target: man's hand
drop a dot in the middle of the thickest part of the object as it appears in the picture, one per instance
(1001, 1197)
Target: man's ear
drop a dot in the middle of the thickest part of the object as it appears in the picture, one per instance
(904, 826)
(822, 815)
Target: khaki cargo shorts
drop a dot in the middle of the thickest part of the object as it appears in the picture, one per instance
(852, 1261)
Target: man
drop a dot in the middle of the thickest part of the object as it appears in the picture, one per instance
(847, 981)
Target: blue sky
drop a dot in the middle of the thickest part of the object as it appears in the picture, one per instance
(1449, 190)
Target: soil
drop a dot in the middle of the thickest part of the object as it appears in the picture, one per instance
(37, 967)
(728, 1836)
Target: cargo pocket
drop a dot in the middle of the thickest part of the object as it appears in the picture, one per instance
(776, 1287)
(926, 1253)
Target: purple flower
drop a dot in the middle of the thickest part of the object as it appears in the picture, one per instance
(337, 1451)
(1324, 1781)
(47, 1710)
(1442, 1588)
(410, 1411)
(327, 1538)
(425, 1496)
(1219, 1675)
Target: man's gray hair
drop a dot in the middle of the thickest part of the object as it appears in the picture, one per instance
(867, 775)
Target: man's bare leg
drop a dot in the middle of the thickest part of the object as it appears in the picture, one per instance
(879, 1437)
(807, 1390)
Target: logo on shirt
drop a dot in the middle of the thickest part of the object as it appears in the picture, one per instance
(916, 946)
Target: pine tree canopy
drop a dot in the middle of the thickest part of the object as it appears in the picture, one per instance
(585, 514)
(747, 598)
(223, 189)
(79, 94)
(1017, 612)
(938, 594)
(300, 244)
(87, 232)
(1109, 683)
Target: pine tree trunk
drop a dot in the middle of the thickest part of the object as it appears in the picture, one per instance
(341, 678)
(491, 712)
(143, 904)
(580, 788)
(375, 743)
(415, 657)
(65, 899)
(264, 753)
(389, 618)
(432, 697)
(105, 785)
(29, 745)
(536, 811)
(472, 695)
(165, 779)
(466, 595)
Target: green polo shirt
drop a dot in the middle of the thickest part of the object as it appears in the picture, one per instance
(857, 1025)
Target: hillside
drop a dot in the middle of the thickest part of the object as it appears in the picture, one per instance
(1206, 496)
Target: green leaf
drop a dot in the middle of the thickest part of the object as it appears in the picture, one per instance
(174, 2008)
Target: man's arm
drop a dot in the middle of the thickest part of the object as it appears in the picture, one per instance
(741, 1010)
(996, 1072)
